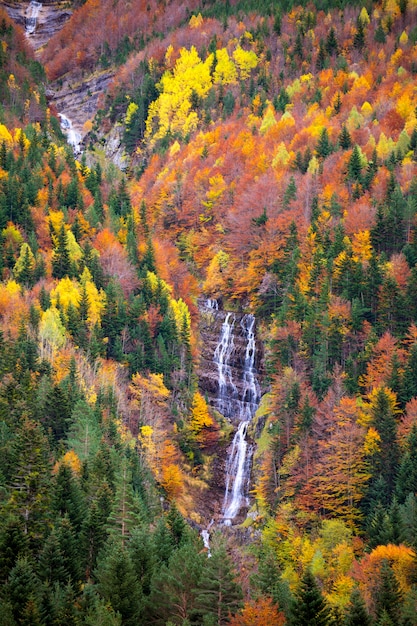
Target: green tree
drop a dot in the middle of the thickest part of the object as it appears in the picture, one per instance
(119, 585)
(22, 592)
(67, 497)
(354, 170)
(356, 614)
(324, 147)
(51, 567)
(388, 597)
(310, 608)
(61, 261)
(30, 479)
(219, 594)
(176, 585)
(345, 140)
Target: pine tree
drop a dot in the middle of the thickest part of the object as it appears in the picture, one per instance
(61, 262)
(30, 478)
(385, 461)
(51, 567)
(321, 56)
(176, 585)
(345, 140)
(22, 592)
(125, 510)
(219, 593)
(359, 37)
(407, 473)
(310, 608)
(357, 614)
(67, 497)
(13, 544)
(331, 42)
(324, 147)
(388, 596)
(119, 585)
(408, 512)
(354, 173)
(142, 556)
(69, 546)
(93, 535)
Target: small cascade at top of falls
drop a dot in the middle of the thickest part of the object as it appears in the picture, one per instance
(236, 395)
(73, 136)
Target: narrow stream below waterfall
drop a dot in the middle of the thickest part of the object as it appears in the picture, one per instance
(237, 399)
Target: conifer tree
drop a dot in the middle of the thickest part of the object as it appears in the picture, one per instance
(61, 262)
(51, 567)
(388, 596)
(219, 593)
(324, 147)
(142, 556)
(357, 614)
(119, 585)
(175, 587)
(354, 173)
(345, 140)
(310, 608)
(331, 42)
(22, 591)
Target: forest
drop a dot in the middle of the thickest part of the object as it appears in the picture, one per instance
(269, 165)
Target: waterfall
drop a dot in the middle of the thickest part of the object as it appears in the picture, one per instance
(32, 13)
(237, 399)
(73, 136)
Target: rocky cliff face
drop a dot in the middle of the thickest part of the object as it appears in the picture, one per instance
(51, 18)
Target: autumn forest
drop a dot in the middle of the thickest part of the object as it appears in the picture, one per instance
(260, 157)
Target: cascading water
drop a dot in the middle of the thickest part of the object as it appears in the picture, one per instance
(239, 462)
(73, 136)
(237, 400)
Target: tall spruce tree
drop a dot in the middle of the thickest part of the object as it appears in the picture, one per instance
(356, 614)
(310, 608)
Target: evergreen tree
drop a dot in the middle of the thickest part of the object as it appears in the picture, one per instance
(22, 591)
(354, 173)
(331, 42)
(142, 555)
(30, 478)
(61, 262)
(125, 510)
(175, 587)
(408, 512)
(407, 473)
(219, 593)
(51, 567)
(69, 546)
(380, 34)
(310, 608)
(67, 497)
(388, 596)
(94, 534)
(321, 56)
(357, 614)
(345, 140)
(359, 37)
(119, 585)
(324, 147)
(163, 543)
(385, 461)
(13, 544)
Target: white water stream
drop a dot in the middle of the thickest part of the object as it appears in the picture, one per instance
(238, 406)
(73, 136)
(32, 13)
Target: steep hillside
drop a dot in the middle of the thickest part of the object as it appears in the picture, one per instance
(270, 167)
